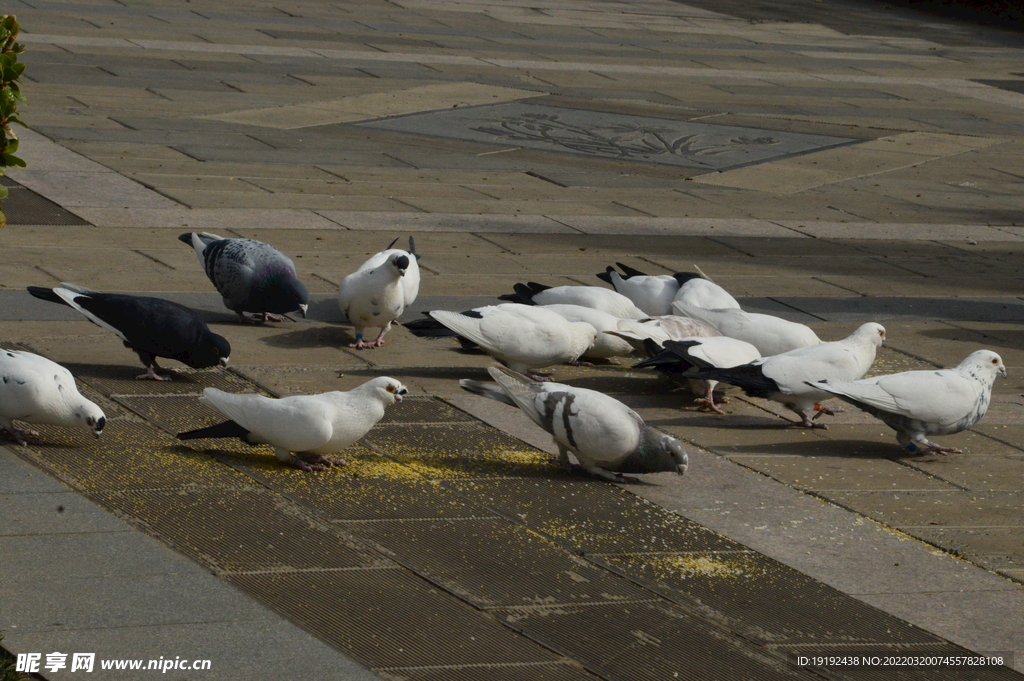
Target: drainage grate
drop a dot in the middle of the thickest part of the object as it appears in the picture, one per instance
(130, 455)
(493, 563)
(174, 413)
(646, 641)
(207, 525)
(390, 618)
(120, 380)
(370, 487)
(763, 599)
(593, 517)
(25, 207)
(473, 450)
(424, 410)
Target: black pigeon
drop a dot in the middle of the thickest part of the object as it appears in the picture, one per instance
(152, 327)
(251, 276)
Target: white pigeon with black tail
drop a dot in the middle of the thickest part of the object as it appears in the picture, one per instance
(651, 293)
(302, 429)
(376, 294)
(787, 378)
(34, 389)
(661, 329)
(704, 293)
(920, 403)
(250, 275)
(605, 345)
(607, 437)
(769, 334)
(596, 297)
(677, 358)
(522, 337)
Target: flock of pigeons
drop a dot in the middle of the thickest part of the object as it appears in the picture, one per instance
(690, 329)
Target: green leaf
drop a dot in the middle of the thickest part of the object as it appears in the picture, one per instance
(3, 192)
(12, 160)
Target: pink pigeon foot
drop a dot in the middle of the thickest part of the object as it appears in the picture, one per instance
(152, 375)
(320, 460)
(267, 317)
(22, 437)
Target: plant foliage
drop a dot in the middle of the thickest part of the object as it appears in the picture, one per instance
(10, 97)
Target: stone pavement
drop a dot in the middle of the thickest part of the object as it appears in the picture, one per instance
(857, 163)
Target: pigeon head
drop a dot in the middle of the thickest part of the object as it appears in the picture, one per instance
(209, 352)
(389, 390)
(279, 292)
(871, 332)
(401, 263)
(92, 417)
(674, 449)
(985, 363)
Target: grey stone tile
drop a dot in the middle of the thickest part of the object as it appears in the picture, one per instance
(96, 554)
(53, 513)
(19, 477)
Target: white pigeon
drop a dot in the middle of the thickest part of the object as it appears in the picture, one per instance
(605, 346)
(770, 335)
(679, 357)
(522, 337)
(376, 294)
(651, 293)
(785, 378)
(596, 297)
(920, 403)
(311, 426)
(706, 294)
(661, 329)
(607, 437)
(35, 390)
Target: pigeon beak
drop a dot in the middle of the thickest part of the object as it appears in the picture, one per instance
(302, 310)
(681, 469)
(1002, 372)
(223, 361)
(401, 273)
(96, 434)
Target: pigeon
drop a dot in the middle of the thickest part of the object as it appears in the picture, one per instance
(607, 437)
(661, 329)
(920, 403)
(377, 293)
(152, 327)
(251, 276)
(310, 426)
(35, 390)
(522, 337)
(678, 357)
(784, 378)
(605, 346)
(596, 297)
(770, 335)
(706, 294)
(651, 293)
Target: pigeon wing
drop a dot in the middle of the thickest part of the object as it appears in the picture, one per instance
(943, 397)
(297, 424)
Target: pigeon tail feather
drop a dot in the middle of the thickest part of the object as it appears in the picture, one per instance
(486, 390)
(226, 429)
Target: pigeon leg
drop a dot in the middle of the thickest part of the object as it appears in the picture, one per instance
(822, 409)
(709, 399)
(806, 422)
(360, 344)
(539, 378)
(152, 375)
(580, 363)
(599, 472)
(931, 447)
(293, 460)
(379, 341)
(563, 458)
(321, 459)
(22, 437)
(267, 317)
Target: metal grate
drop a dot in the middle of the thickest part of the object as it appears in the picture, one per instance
(520, 672)
(120, 380)
(493, 563)
(424, 410)
(592, 517)
(763, 599)
(440, 451)
(390, 618)
(646, 641)
(208, 525)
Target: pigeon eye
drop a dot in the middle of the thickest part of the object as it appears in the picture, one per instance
(995, 361)
(90, 421)
(390, 388)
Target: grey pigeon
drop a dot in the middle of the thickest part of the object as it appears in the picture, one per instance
(152, 327)
(920, 403)
(251, 276)
(607, 437)
(35, 390)
(311, 426)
